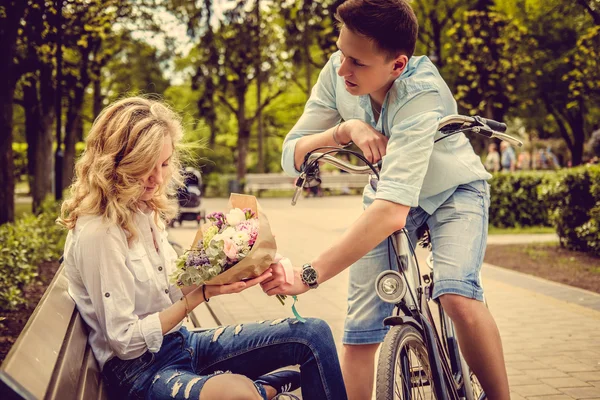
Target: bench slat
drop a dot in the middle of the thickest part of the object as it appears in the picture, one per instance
(65, 379)
(32, 358)
(91, 385)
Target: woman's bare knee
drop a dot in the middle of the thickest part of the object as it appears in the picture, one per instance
(229, 387)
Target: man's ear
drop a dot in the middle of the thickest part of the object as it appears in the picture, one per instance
(400, 64)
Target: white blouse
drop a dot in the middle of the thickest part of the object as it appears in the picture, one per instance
(119, 290)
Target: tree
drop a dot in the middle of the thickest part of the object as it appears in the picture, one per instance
(491, 55)
(11, 13)
(36, 58)
(225, 65)
(310, 35)
(435, 18)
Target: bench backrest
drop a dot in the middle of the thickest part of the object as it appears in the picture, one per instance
(51, 359)
(275, 181)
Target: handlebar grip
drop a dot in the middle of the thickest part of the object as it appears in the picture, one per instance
(495, 125)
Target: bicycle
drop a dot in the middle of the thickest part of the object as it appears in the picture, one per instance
(416, 360)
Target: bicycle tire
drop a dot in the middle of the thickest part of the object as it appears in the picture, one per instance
(402, 344)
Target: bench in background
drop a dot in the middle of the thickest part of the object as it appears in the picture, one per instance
(52, 359)
(257, 182)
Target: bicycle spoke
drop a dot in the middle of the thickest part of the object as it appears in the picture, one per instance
(414, 375)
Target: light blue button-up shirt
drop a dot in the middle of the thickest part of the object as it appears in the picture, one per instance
(415, 171)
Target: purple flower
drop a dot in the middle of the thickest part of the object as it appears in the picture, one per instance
(217, 218)
(249, 213)
(196, 258)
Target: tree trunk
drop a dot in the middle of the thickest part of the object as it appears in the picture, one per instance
(577, 122)
(9, 26)
(259, 77)
(73, 130)
(307, 61)
(39, 116)
(97, 107)
(243, 136)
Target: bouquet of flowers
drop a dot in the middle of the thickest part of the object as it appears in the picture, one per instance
(229, 247)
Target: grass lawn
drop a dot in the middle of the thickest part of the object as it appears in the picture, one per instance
(548, 261)
(520, 230)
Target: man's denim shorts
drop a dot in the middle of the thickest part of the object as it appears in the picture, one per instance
(458, 230)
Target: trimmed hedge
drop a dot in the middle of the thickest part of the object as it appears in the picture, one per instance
(26, 243)
(572, 198)
(514, 200)
(568, 200)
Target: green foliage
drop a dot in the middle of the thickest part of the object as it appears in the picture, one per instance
(25, 244)
(491, 54)
(514, 200)
(584, 78)
(20, 158)
(572, 198)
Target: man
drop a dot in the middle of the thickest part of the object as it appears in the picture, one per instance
(508, 157)
(492, 160)
(391, 104)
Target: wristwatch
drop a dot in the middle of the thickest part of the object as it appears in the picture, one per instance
(309, 276)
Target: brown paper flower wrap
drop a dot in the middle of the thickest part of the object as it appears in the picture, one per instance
(192, 267)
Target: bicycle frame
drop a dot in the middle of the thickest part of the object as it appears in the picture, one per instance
(414, 306)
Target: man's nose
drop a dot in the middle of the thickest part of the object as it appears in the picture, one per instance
(344, 70)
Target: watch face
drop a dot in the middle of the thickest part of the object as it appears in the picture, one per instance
(309, 275)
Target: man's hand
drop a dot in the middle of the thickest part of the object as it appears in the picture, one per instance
(373, 144)
(216, 290)
(277, 284)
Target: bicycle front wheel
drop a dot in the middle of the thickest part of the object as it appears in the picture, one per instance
(403, 370)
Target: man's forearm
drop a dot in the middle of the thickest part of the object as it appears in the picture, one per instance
(311, 142)
(376, 223)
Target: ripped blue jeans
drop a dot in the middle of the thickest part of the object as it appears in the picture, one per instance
(186, 360)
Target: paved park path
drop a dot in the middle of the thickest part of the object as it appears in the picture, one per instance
(550, 332)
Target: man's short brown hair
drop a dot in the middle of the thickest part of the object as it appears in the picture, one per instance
(391, 24)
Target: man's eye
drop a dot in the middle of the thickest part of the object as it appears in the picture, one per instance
(357, 63)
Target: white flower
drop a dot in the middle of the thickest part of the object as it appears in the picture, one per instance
(235, 216)
(241, 238)
(226, 234)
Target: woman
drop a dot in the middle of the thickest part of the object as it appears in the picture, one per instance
(118, 262)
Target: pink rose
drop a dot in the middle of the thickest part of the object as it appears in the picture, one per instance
(230, 249)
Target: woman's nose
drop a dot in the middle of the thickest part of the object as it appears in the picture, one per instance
(156, 176)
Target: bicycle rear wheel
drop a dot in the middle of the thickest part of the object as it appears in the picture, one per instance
(403, 370)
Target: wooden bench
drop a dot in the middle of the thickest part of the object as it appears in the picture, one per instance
(255, 183)
(52, 359)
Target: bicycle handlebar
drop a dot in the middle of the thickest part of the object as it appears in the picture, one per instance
(496, 130)
(449, 125)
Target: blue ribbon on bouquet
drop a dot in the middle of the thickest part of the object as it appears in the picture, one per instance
(281, 298)
(296, 314)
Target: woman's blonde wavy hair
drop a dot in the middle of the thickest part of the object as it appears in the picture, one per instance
(122, 147)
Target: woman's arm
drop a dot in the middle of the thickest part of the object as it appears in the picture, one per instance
(193, 297)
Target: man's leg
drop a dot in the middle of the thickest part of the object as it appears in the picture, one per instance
(358, 368)
(459, 235)
(475, 325)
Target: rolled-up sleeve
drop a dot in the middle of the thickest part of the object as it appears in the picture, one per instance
(320, 114)
(409, 148)
(111, 287)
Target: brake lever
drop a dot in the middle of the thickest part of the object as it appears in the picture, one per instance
(299, 185)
